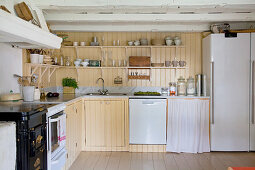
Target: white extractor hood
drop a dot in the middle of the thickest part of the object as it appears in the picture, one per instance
(23, 34)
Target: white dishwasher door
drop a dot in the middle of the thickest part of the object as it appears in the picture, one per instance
(147, 121)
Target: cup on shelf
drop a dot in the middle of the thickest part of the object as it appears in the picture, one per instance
(167, 63)
(75, 43)
(182, 63)
(175, 63)
(82, 43)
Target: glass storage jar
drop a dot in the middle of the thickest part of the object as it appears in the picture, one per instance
(172, 89)
(181, 87)
(191, 89)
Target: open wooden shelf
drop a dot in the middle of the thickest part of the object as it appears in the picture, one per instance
(139, 77)
(81, 67)
(147, 46)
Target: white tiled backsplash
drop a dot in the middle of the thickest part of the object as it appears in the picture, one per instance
(85, 90)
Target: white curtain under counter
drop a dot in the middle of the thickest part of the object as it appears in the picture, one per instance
(188, 126)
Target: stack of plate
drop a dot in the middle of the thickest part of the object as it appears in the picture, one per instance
(47, 60)
(144, 41)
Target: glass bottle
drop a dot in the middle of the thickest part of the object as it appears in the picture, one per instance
(181, 87)
(191, 89)
(172, 89)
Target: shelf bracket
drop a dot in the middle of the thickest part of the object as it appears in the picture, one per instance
(50, 73)
(33, 70)
(42, 74)
(76, 52)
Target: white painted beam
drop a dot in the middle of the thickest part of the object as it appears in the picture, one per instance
(150, 17)
(50, 4)
(131, 27)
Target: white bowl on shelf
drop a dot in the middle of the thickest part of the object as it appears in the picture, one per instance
(85, 64)
(77, 63)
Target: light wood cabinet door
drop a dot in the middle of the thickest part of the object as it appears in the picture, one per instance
(105, 125)
(73, 131)
(78, 127)
(70, 130)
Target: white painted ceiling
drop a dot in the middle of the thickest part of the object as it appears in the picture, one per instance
(146, 15)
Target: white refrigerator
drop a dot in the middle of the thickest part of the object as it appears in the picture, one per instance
(227, 62)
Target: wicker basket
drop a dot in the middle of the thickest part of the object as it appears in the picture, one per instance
(68, 90)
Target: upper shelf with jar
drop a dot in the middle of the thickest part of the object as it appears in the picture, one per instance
(147, 46)
(167, 42)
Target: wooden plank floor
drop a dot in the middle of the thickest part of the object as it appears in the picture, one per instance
(162, 161)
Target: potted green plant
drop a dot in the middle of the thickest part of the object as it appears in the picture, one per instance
(69, 85)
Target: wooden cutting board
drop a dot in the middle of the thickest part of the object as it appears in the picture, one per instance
(139, 61)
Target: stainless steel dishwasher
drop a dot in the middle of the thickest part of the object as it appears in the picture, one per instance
(147, 121)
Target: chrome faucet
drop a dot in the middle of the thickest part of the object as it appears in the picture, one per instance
(103, 91)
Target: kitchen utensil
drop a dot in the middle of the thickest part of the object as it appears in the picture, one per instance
(198, 79)
(139, 61)
(4, 8)
(113, 63)
(169, 42)
(34, 58)
(94, 39)
(130, 43)
(18, 11)
(77, 63)
(124, 63)
(177, 42)
(164, 91)
(118, 80)
(85, 63)
(137, 43)
(175, 63)
(191, 89)
(181, 87)
(23, 11)
(157, 64)
(144, 41)
(94, 63)
(182, 63)
(37, 94)
(172, 89)
(120, 63)
(167, 63)
(28, 93)
(67, 61)
(94, 43)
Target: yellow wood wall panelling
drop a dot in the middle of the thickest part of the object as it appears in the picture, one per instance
(191, 53)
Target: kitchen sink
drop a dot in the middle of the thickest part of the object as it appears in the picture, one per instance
(107, 94)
